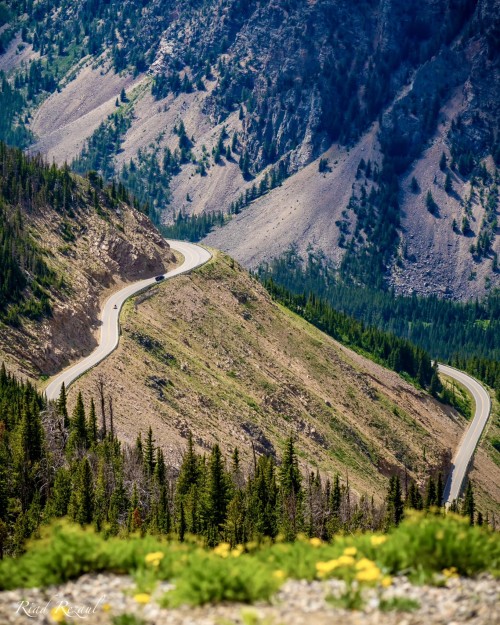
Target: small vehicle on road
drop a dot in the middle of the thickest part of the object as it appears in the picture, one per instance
(115, 306)
(159, 278)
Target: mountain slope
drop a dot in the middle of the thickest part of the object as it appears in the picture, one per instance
(212, 354)
(66, 243)
(271, 87)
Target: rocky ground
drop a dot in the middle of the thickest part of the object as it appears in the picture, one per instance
(105, 596)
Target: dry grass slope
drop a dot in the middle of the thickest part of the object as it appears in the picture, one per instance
(211, 353)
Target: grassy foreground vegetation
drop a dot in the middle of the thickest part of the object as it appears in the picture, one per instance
(428, 546)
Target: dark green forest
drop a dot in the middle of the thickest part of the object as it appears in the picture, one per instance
(27, 185)
(464, 334)
(53, 464)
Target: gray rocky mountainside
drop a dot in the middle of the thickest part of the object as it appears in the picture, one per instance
(366, 130)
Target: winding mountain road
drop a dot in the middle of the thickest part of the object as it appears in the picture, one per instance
(194, 256)
(472, 434)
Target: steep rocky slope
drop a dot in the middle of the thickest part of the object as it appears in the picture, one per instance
(212, 354)
(280, 86)
(88, 248)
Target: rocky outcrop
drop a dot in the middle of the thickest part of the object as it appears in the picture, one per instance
(108, 250)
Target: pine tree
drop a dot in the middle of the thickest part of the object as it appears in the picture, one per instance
(101, 501)
(92, 424)
(160, 471)
(189, 472)
(84, 494)
(435, 387)
(395, 508)
(62, 408)
(216, 497)
(61, 493)
(262, 497)
(164, 519)
(430, 495)
(149, 454)
(469, 506)
(443, 162)
(414, 498)
(182, 523)
(448, 186)
(78, 426)
(290, 492)
(439, 490)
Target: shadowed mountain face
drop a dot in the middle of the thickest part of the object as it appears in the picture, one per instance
(225, 103)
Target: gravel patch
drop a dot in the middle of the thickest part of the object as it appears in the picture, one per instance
(98, 597)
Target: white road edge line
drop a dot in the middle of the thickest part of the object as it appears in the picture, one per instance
(470, 438)
(194, 256)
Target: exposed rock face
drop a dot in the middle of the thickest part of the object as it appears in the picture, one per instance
(108, 250)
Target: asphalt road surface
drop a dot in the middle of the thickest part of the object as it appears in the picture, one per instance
(470, 439)
(194, 256)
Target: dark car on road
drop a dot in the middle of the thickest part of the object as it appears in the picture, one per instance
(159, 278)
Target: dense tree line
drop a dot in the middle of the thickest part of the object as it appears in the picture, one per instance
(467, 334)
(53, 464)
(192, 227)
(27, 184)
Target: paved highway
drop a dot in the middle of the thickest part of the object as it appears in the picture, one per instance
(471, 436)
(194, 256)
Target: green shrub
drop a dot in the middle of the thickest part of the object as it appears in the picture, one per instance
(207, 578)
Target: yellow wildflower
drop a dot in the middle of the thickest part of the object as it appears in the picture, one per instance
(350, 551)
(154, 558)
(279, 574)
(386, 581)
(346, 560)
(222, 550)
(315, 542)
(323, 568)
(237, 551)
(58, 614)
(364, 563)
(378, 540)
(142, 597)
(450, 573)
(371, 574)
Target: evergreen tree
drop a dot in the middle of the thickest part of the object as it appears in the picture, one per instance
(442, 162)
(395, 508)
(439, 490)
(290, 493)
(189, 472)
(414, 498)
(216, 498)
(84, 494)
(435, 386)
(430, 495)
(149, 454)
(61, 494)
(262, 496)
(62, 408)
(469, 506)
(78, 426)
(92, 424)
